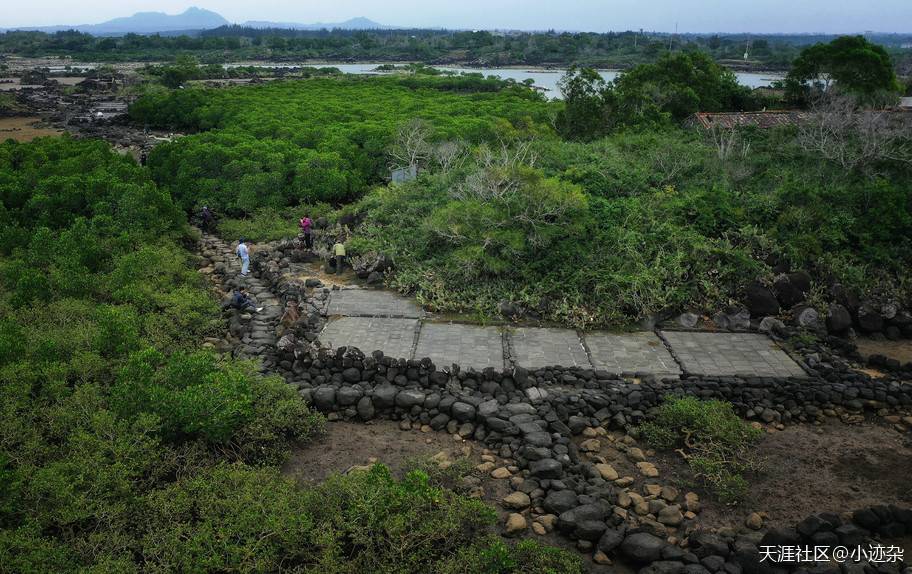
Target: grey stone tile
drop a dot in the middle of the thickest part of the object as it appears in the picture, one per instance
(395, 337)
(731, 354)
(466, 345)
(534, 348)
(369, 303)
(641, 351)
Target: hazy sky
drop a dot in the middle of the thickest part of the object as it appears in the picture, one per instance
(592, 15)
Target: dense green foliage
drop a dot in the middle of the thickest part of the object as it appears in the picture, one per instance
(850, 64)
(233, 43)
(715, 442)
(589, 233)
(319, 140)
(649, 95)
(635, 224)
(124, 447)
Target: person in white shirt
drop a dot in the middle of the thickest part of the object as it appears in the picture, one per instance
(244, 254)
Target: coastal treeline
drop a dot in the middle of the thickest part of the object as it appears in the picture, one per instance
(611, 49)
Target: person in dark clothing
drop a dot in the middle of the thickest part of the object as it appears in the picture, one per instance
(306, 225)
(207, 218)
(142, 158)
(242, 302)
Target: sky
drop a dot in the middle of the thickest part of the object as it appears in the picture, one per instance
(830, 16)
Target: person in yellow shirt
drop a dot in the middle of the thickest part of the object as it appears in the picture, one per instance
(339, 253)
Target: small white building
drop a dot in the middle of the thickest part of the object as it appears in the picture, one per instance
(906, 102)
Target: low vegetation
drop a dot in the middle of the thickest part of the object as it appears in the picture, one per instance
(126, 447)
(713, 440)
(596, 211)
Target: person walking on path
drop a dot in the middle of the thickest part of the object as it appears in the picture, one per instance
(244, 253)
(306, 225)
(339, 253)
(208, 219)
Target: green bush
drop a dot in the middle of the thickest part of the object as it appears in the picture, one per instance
(270, 224)
(715, 442)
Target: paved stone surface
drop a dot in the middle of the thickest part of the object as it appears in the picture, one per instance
(466, 345)
(369, 303)
(534, 348)
(395, 337)
(745, 354)
(640, 352)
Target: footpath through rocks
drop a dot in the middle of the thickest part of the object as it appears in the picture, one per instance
(558, 437)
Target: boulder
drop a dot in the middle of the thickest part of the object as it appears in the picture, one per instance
(516, 525)
(838, 318)
(569, 521)
(385, 396)
(869, 319)
(409, 398)
(610, 540)
(365, 409)
(642, 547)
(546, 468)
(806, 317)
(688, 320)
(324, 398)
(347, 396)
(560, 501)
(760, 301)
(462, 412)
(772, 326)
(517, 501)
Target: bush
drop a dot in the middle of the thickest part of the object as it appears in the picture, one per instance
(270, 224)
(713, 440)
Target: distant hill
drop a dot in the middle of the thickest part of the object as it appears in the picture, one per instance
(352, 24)
(145, 23)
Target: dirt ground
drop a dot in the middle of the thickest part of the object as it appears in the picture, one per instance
(23, 129)
(807, 469)
(899, 350)
(347, 444)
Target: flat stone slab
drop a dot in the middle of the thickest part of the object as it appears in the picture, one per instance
(638, 352)
(395, 337)
(466, 345)
(534, 348)
(368, 303)
(731, 354)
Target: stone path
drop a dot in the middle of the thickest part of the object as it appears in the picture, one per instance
(262, 325)
(731, 354)
(630, 353)
(378, 320)
(394, 336)
(470, 345)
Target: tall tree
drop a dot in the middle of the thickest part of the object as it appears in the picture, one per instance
(851, 64)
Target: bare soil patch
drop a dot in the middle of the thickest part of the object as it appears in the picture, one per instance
(807, 469)
(899, 350)
(24, 129)
(348, 444)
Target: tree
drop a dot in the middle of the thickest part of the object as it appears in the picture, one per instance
(856, 139)
(850, 63)
(585, 97)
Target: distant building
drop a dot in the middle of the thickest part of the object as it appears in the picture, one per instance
(762, 120)
(404, 174)
(905, 103)
(776, 118)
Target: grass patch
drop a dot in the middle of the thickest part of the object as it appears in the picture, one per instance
(270, 224)
(713, 440)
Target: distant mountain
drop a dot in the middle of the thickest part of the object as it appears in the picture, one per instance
(146, 23)
(352, 24)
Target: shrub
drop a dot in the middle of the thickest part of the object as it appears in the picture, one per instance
(711, 438)
(493, 556)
